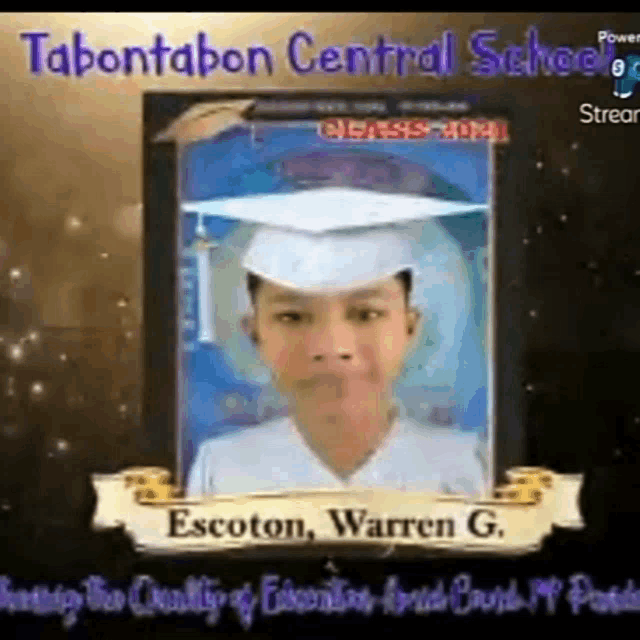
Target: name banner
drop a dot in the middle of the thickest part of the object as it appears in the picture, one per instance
(514, 520)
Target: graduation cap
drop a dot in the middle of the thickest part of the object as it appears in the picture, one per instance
(330, 239)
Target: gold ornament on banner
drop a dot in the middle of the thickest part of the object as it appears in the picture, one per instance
(150, 485)
(526, 486)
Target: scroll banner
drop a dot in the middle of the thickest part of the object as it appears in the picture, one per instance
(514, 521)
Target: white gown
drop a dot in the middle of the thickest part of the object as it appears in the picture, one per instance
(273, 456)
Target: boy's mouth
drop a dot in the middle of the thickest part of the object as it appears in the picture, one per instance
(336, 387)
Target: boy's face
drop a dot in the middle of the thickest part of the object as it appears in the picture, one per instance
(334, 350)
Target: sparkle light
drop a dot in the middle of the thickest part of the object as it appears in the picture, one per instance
(15, 273)
(122, 408)
(73, 223)
(533, 313)
(16, 352)
(539, 229)
(539, 165)
(565, 171)
(62, 445)
(574, 146)
(529, 387)
(330, 566)
(33, 336)
(37, 388)
(104, 255)
(563, 217)
(525, 241)
(123, 302)
(63, 357)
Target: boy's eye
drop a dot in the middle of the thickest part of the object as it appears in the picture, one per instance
(367, 315)
(289, 318)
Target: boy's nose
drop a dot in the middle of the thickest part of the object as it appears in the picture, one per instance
(333, 346)
(341, 354)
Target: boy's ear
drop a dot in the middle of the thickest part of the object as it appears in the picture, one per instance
(414, 319)
(249, 327)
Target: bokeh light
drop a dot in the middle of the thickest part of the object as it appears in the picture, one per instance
(73, 223)
(16, 352)
(37, 388)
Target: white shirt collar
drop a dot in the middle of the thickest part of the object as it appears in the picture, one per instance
(369, 464)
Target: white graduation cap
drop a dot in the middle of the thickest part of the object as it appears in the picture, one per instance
(329, 239)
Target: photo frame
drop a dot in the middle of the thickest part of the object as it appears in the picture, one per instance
(205, 379)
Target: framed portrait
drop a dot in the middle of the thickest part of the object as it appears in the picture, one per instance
(322, 335)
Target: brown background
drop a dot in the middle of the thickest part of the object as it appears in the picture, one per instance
(73, 148)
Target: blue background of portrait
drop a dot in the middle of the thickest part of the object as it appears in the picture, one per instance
(217, 398)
